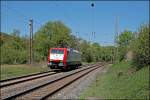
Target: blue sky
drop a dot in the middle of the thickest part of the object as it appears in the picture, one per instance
(78, 15)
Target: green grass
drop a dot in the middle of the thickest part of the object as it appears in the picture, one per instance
(126, 86)
(10, 71)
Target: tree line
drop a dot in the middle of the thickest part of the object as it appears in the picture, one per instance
(15, 48)
(138, 43)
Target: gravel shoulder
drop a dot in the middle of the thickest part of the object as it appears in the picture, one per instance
(17, 88)
(74, 90)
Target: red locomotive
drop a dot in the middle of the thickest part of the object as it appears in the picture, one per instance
(63, 58)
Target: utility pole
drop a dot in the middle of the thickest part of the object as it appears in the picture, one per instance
(93, 33)
(116, 36)
(31, 41)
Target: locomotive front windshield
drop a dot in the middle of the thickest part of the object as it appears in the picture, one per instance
(54, 51)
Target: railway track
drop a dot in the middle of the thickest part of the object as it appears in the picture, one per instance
(20, 79)
(50, 87)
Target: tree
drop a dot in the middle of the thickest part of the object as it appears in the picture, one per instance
(85, 50)
(123, 41)
(52, 34)
(95, 52)
(141, 46)
(13, 49)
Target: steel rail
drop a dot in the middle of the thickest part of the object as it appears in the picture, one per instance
(50, 94)
(21, 80)
(37, 87)
(5, 80)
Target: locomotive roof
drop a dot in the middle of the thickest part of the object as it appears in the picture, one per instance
(69, 49)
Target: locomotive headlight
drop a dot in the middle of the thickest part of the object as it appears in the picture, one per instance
(50, 63)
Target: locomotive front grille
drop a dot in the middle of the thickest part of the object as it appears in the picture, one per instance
(58, 63)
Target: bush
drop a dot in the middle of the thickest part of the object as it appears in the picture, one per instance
(141, 47)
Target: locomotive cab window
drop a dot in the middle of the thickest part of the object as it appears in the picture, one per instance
(54, 51)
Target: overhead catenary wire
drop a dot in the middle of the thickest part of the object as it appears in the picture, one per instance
(22, 15)
(31, 55)
(92, 33)
(76, 34)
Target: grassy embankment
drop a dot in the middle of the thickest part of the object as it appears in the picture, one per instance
(10, 71)
(121, 81)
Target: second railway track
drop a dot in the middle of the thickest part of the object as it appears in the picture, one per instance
(50, 87)
(17, 80)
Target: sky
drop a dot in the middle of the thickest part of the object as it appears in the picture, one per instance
(79, 16)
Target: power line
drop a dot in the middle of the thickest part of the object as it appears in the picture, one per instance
(66, 14)
(31, 33)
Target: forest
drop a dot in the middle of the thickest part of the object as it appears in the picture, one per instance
(15, 47)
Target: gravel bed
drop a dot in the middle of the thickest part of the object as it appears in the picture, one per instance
(42, 92)
(74, 90)
(17, 88)
(26, 78)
